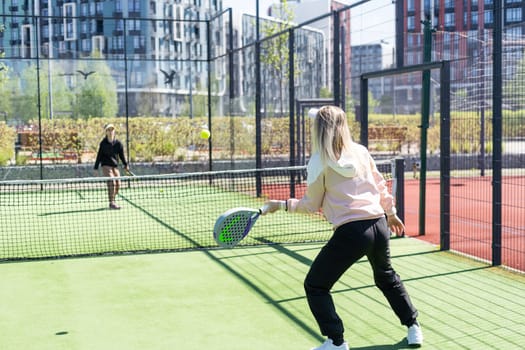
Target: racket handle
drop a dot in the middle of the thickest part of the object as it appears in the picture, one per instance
(264, 209)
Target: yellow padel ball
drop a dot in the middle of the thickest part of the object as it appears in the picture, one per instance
(205, 134)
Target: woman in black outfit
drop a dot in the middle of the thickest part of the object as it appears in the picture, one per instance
(109, 151)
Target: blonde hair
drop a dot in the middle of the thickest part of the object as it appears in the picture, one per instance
(332, 138)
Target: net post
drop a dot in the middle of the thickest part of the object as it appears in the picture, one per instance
(363, 118)
(444, 214)
(399, 186)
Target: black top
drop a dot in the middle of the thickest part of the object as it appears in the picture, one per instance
(109, 152)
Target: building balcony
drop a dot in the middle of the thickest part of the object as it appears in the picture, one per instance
(65, 55)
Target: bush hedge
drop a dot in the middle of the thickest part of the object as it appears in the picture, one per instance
(177, 139)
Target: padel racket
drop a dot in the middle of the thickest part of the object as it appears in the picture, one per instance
(232, 226)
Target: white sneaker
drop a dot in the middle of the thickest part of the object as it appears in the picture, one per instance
(415, 335)
(329, 345)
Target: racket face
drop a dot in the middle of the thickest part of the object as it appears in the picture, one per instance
(232, 226)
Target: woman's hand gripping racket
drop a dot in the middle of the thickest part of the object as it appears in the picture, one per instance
(232, 226)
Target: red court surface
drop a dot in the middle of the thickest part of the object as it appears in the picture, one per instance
(471, 216)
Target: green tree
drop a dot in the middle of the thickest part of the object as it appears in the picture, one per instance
(7, 139)
(275, 51)
(372, 102)
(5, 101)
(23, 92)
(61, 98)
(513, 90)
(7, 142)
(96, 93)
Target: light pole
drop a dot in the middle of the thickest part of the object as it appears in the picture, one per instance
(393, 78)
(258, 117)
(482, 53)
(49, 78)
(191, 86)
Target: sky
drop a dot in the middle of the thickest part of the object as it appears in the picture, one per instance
(371, 22)
(247, 6)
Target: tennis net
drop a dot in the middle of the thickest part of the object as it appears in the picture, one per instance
(65, 218)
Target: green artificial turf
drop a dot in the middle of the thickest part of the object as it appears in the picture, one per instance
(250, 298)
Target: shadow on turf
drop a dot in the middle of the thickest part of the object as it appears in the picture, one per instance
(402, 344)
(235, 273)
(275, 303)
(73, 211)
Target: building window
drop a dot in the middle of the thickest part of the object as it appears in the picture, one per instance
(118, 42)
(133, 25)
(119, 25)
(86, 45)
(70, 22)
(152, 8)
(411, 5)
(514, 32)
(26, 36)
(97, 43)
(177, 25)
(138, 42)
(411, 23)
(489, 16)
(450, 19)
(514, 14)
(134, 6)
(99, 8)
(474, 18)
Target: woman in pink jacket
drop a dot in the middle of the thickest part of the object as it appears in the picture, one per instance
(344, 182)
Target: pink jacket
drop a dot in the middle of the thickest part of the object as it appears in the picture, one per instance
(343, 195)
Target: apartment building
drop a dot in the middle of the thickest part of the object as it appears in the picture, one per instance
(463, 31)
(156, 49)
